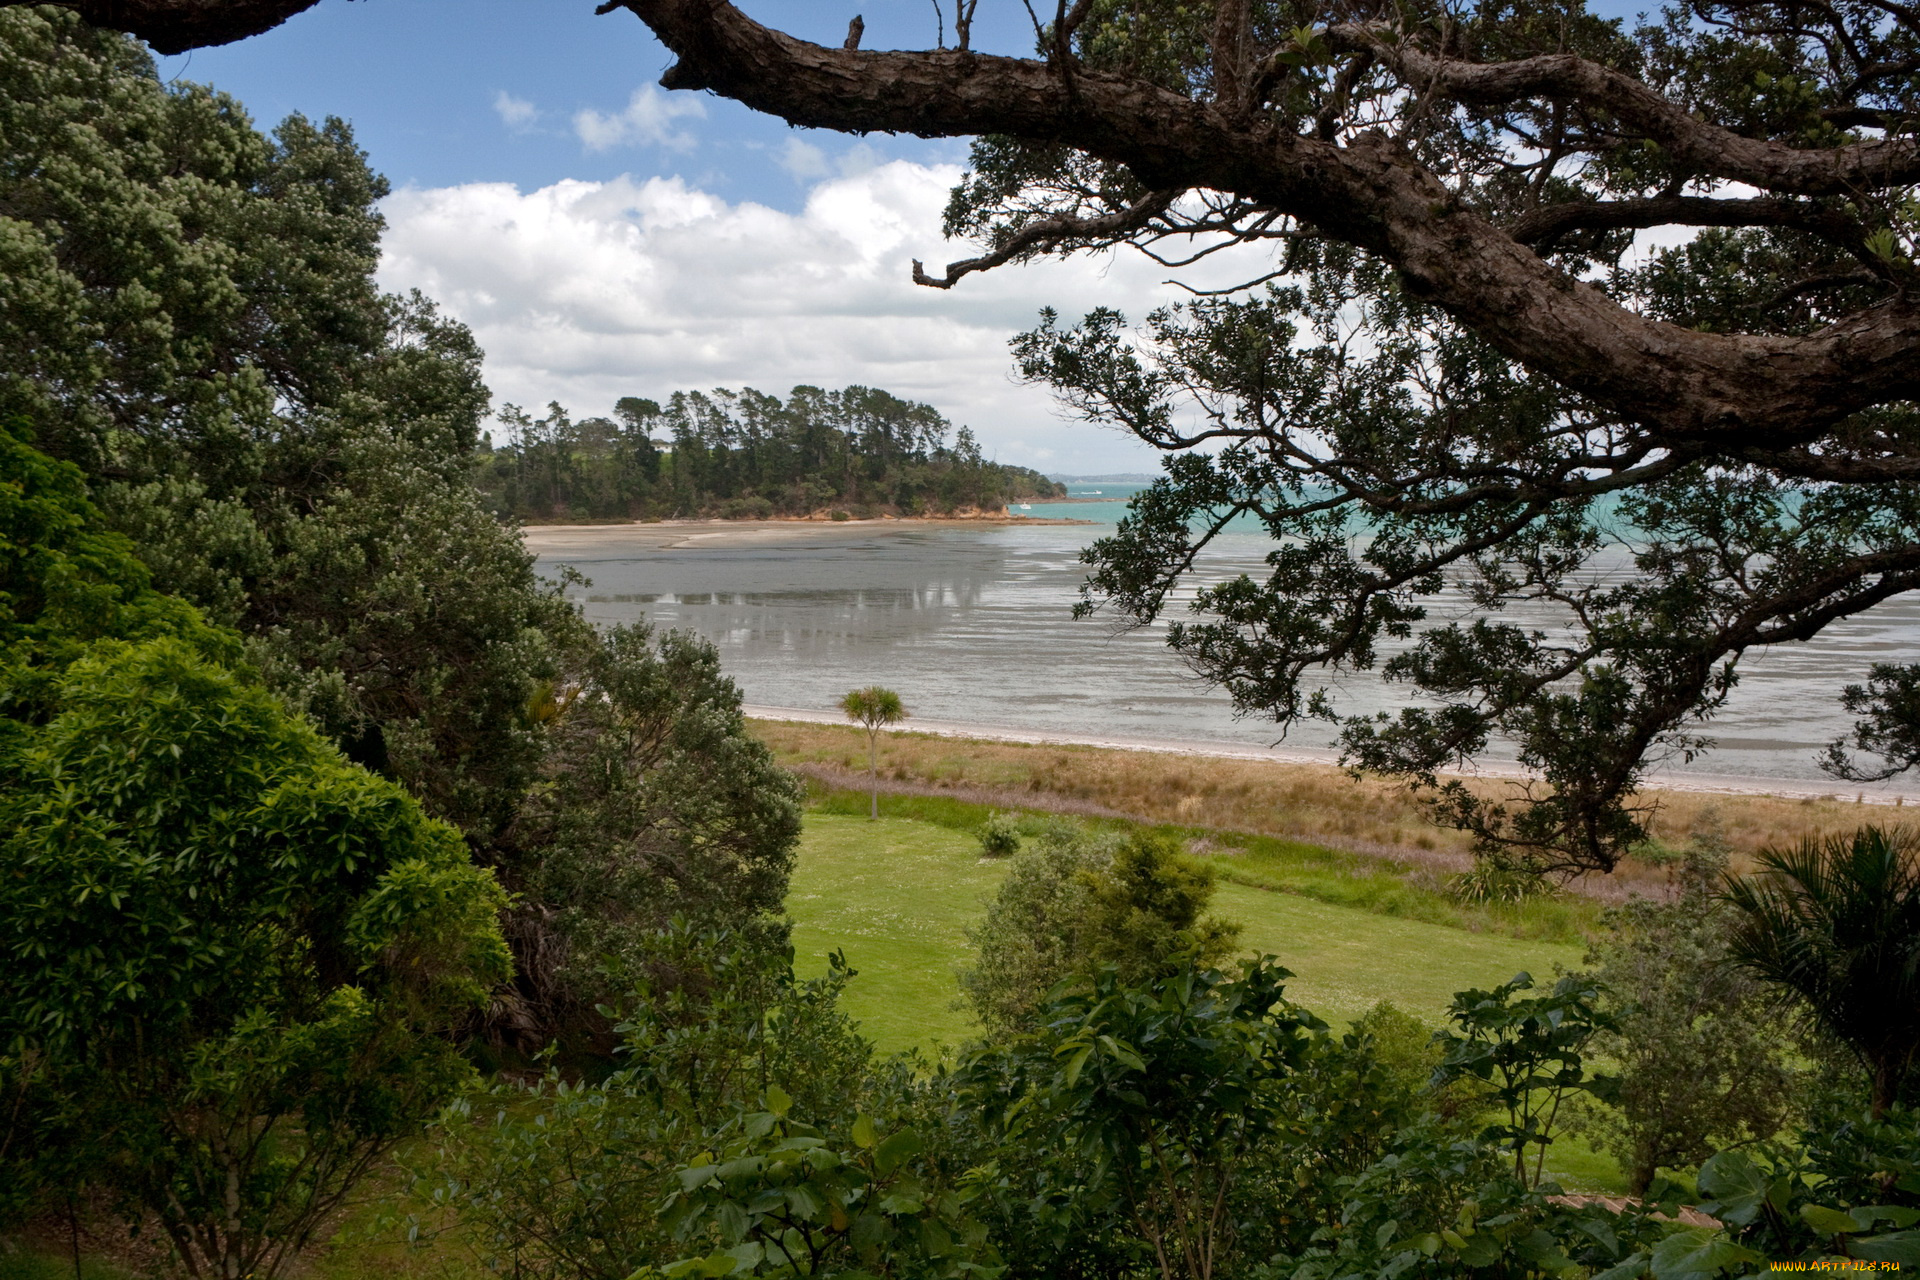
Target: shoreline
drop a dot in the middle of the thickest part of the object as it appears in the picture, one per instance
(1890, 795)
(772, 528)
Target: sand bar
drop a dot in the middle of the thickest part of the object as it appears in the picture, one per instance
(1887, 793)
(680, 535)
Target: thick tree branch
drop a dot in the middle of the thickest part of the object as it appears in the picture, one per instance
(1543, 226)
(1716, 390)
(175, 26)
(1702, 148)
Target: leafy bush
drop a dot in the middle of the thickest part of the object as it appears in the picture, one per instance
(1147, 1106)
(237, 955)
(1703, 1048)
(1000, 835)
(1072, 900)
(1491, 882)
(1531, 1052)
(566, 1181)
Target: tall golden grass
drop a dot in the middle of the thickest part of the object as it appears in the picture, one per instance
(1320, 804)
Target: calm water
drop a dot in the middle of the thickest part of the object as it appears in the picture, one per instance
(974, 625)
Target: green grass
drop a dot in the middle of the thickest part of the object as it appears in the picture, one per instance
(1333, 876)
(1392, 889)
(44, 1264)
(897, 896)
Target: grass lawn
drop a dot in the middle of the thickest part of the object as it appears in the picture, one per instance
(897, 896)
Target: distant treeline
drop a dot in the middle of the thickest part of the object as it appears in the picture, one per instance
(860, 451)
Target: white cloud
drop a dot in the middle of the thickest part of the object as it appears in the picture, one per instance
(803, 160)
(647, 121)
(516, 113)
(583, 292)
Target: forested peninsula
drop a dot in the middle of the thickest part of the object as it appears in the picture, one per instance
(849, 454)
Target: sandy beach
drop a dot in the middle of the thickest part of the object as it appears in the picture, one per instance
(565, 539)
(1901, 791)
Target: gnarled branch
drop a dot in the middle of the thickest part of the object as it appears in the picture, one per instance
(1044, 233)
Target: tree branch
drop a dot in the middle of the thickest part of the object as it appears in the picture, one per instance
(175, 26)
(1705, 149)
(1718, 390)
(1047, 232)
(1545, 225)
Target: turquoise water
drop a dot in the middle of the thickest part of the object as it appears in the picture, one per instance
(974, 625)
(1102, 512)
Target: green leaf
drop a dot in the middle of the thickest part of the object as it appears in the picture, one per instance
(1695, 1252)
(1075, 1063)
(779, 1101)
(1896, 1246)
(1828, 1222)
(1632, 1269)
(1736, 1186)
(863, 1135)
(895, 1151)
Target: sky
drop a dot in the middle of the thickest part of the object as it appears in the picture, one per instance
(604, 237)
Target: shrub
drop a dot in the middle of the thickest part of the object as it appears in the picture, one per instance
(559, 1180)
(1000, 835)
(1702, 1046)
(755, 508)
(1489, 882)
(1073, 900)
(238, 956)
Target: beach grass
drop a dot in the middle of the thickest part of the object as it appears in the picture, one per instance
(1314, 804)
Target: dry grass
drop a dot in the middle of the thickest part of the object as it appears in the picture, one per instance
(1316, 803)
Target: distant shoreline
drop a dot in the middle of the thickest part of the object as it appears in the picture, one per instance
(545, 539)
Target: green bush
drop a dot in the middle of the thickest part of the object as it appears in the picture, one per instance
(1704, 1050)
(562, 1180)
(235, 956)
(1074, 899)
(1000, 835)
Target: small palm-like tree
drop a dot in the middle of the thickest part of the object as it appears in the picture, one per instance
(1838, 922)
(874, 708)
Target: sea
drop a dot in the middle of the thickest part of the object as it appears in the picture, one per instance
(973, 626)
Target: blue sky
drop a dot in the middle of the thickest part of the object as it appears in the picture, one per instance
(420, 80)
(605, 238)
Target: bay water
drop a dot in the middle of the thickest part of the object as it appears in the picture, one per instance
(972, 625)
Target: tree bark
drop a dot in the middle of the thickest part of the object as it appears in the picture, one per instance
(175, 26)
(1711, 392)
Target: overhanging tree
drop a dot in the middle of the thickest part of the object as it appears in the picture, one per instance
(1469, 378)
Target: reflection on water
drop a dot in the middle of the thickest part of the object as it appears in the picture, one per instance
(974, 625)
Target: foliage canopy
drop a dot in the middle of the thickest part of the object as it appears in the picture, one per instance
(233, 956)
(749, 454)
